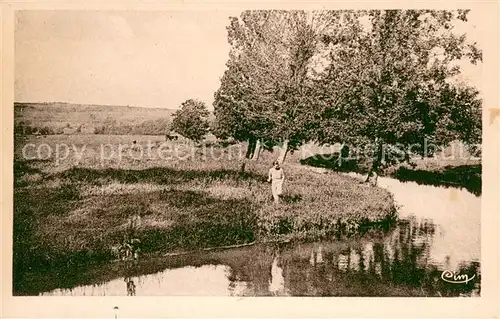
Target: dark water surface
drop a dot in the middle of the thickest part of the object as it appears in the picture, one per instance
(438, 231)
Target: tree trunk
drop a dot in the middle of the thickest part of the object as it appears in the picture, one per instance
(368, 175)
(250, 148)
(283, 152)
(407, 157)
(256, 151)
(376, 162)
(252, 142)
(343, 155)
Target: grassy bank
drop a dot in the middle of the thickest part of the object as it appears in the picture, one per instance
(68, 214)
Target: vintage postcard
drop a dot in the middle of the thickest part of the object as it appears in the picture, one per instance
(278, 160)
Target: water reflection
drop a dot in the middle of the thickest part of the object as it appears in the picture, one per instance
(437, 232)
(277, 281)
(205, 280)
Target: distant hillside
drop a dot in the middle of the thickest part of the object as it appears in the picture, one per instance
(59, 118)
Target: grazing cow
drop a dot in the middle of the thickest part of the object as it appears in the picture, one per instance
(171, 137)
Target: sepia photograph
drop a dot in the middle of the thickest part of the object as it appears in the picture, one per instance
(248, 153)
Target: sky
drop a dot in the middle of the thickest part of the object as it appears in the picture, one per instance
(139, 58)
(150, 59)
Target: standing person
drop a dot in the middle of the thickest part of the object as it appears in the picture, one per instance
(276, 178)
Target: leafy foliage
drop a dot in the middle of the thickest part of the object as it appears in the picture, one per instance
(264, 93)
(392, 81)
(381, 78)
(191, 120)
(390, 84)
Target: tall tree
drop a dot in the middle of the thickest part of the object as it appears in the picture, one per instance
(191, 120)
(388, 83)
(264, 93)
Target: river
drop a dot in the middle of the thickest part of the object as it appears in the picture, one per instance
(438, 231)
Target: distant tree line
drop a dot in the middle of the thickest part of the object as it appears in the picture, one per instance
(25, 129)
(109, 127)
(148, 127)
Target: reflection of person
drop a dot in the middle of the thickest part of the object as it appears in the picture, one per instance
(276, 178)
(277, 282)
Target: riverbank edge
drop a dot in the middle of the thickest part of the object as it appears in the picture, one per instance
(34, 287)
(332, 229)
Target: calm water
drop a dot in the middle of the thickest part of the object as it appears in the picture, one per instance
(439, 229)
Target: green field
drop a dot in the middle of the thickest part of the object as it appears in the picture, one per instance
(83, 208)
(56, 118)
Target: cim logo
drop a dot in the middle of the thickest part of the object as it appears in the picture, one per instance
(455, 278)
